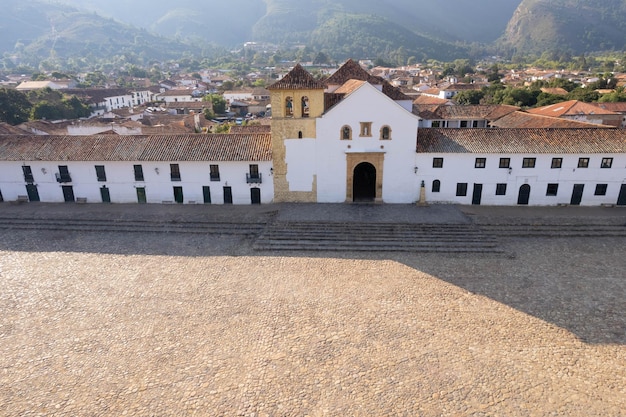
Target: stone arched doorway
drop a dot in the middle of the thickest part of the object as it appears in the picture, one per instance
(364, 182)
(362, 170)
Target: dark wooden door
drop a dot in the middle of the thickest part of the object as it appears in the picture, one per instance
(105, 194)
(524, 194)
(228, 195)
(206, 194)
(141, 195)
(255, 195)
(33, 194)
(621, 199)
(577, 194)
(178, 194)
(477, 194)
(68, 193)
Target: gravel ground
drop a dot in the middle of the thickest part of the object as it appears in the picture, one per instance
(116, 324)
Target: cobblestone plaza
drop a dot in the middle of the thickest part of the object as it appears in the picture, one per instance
(158, 324)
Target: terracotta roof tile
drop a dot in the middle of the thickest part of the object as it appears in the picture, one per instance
(222, 147)
(520, 119)
(557, 91)
(393, 92)
(351, 70)
(297, 79)
(251, 129)
(619, 107)
(426, 99)
(349, 86)
(571, 107)
(522, 141)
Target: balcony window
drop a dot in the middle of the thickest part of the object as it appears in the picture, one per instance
(64, 174)
(253, 177)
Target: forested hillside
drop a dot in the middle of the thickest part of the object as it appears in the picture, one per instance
(62, 31)
(567, 25)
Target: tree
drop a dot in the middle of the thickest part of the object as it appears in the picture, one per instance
(218, 103)
(468, 97)
(14, 107)
(321, 59)
(44, 110)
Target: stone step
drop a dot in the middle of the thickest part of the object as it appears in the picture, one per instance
(553, 230)
(333, 246)
(132, 226)
(379, 237)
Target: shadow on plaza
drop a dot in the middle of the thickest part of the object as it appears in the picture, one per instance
(577, 284)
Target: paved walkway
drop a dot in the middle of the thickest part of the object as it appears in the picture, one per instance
(177, 325)
(368, 213)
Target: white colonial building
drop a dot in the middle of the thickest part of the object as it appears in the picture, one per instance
(523, 166)
(221, 169)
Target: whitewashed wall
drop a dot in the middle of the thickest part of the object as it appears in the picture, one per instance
(120, 180)
(459, 168)
(325, 156)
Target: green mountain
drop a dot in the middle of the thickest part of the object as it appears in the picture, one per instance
(32, 32)
(142, 30)
(566, 25)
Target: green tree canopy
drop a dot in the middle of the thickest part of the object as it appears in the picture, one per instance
(218, 103)
(14, 106)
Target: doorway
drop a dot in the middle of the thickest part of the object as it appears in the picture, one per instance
(105, 194)
(577, 194)
(206, 194)
(255, 195)
(364, 183)
(228, 195)
(477, 194)
(33, 194)
(621, 199)
(141, 195)
(524, 194)
(178, 194)
(68, 193)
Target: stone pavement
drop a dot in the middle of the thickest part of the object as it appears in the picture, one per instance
(111, 324)
(383, 213)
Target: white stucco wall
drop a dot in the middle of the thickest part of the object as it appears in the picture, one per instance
(326, 155)
(120, 179)
(459, 168)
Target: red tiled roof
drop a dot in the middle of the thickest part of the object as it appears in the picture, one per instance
(487, 112)
(351, 70)
(522, 141)
(619, 107)
(558, 91)
(571, 107)
(349, 86)
(520, 119)
(426, 99)
(251, 129)
(393, 92)
(297, 79)
(197, 147)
